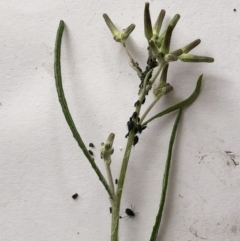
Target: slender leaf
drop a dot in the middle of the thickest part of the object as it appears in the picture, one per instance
(165, 179)
(64, 105)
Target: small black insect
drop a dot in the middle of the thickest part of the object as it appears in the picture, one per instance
(135, 140)
(137, 103)
(143, 101)
(91, 145)
(134, 115)
(234, 10)
(110, 209)
(144, 127)
(136, 130)
(116, 181)
(90, 152)
(130, 125)
(130, 213)
(75, 196)
(127, 135)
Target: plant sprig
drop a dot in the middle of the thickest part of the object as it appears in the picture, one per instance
(159, 57)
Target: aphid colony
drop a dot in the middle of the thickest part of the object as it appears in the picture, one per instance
(138, 128)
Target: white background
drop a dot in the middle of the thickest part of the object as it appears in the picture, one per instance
(41, 166)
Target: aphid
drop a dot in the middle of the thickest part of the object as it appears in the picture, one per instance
(134, 115)
(137, 103)
(120, 216)
(116, 181)
(90, 152)
(110, 209)
(74, 196)
(130, 213)
(91, 145)
(143, 101)
(136, 129)
(130, 125)
(144, 127)
(139, 129)
(135, 140)
(127, 135)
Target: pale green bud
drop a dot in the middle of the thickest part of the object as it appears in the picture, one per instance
(195, 58)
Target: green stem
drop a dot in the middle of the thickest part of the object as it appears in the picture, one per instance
(64, 105)
(165, 179)
(150, 107)
(183, 103)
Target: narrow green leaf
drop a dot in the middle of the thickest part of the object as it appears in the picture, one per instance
(165, 180)
(64, 105)
(183, 103)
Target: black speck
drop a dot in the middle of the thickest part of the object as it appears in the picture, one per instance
(235, 10)
(75, 196)
(91, 145)
(116, 181)
(90, 152)
(137, 103)
(130, 212)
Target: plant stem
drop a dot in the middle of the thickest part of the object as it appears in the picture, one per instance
(110, 179)
(66, 112)
(150, 107)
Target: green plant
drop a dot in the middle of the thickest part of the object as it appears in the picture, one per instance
(159, 57)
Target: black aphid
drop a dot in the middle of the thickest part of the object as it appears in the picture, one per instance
(90, 152)
(136, 130)
(130, 125)
(135, 140)
(110, 209)
(130, 213)
(134, 115)
(91, 145)
(137, 103)
(139, 128)
(75, 196)
(144, 127)
(116, 181)
(143, 101)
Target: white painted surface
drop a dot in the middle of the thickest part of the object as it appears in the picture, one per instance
(41, 165)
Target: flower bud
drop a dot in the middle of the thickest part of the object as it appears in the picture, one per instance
(158, 24)
(147, 23)
(115, 32)
(195, 58)
(168, 35)
(191, 46)
(126, 32)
